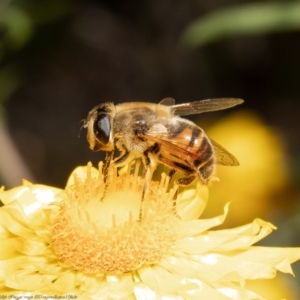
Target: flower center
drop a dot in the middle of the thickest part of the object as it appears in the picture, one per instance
(103, 229)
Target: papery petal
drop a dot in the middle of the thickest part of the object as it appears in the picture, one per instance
(215, 267)
(16, 221)
(42, 193)
(160, 280)
(81, 173)
(24, 209)
(27, 282)
(65, 283)
(120, 286)
(91, 284)
(253, 263)
(112, 287)
(176, 286)
(195, 227)
(243, 236)
(198, 264)
(142, 292)
(221, 240)
(200, 244)
(186, 266)
(202, 266)
(263, 262)
(236, 292)
(4, 232)
(45, 194)
(12, 194)
(31, 247)
(195, 289)
(192, 201)
(7, 249)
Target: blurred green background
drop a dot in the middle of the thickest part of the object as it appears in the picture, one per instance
(60, 58)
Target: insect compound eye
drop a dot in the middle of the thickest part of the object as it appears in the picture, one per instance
(102, 128)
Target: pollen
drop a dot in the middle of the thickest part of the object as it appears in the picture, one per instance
(106, 228)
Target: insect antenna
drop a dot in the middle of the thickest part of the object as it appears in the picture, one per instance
(84, 125)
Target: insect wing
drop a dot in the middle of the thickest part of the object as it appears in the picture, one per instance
(178, 149)
(167, 101)
(202, 106)
(176, 146)
(223, 157)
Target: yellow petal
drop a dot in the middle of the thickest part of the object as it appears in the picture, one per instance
(192, 201)
(42, 193)
(176, 286)
(221, 240)
(28, 282)
(284, 266)
(92, 284)
(4, 233)
(31, 247)
(198, 264)
(65, 283)
(81, 173)
(244, 236)
(234, 291)
(7, 248)
(142, 292)
(111, 287)
(263, 262)
(120, 286)
(194, 227)
(253, 263)
(16, 221)
(12, 194)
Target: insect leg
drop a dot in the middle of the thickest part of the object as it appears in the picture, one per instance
(171, 173)
(150, 167)
(107, 161)
(122, 158)
(186, 180)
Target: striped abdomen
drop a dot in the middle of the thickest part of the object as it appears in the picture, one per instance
(187, 149)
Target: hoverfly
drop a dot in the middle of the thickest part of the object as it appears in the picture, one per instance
(157, 133)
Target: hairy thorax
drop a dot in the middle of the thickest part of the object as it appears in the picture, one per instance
(130, 128)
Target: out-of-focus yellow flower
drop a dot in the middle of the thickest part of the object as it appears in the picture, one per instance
(279, 287)
(98, 242)
(262, 173)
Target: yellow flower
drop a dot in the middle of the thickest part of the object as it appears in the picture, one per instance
(263, 172)
(93, 241)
